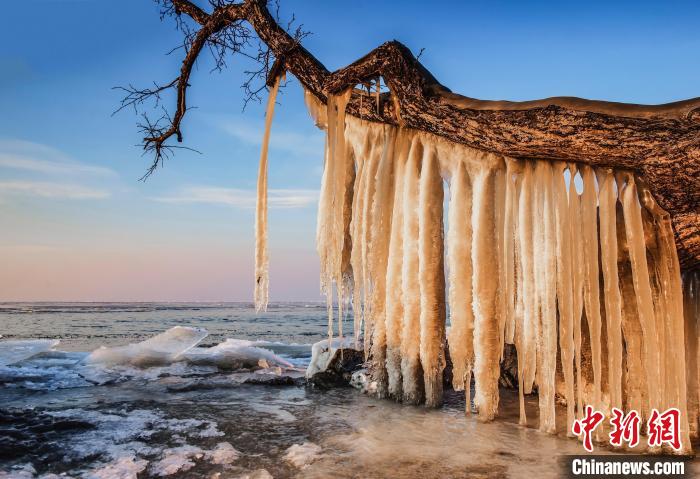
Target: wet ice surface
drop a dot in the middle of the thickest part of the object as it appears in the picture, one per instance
(197, 415)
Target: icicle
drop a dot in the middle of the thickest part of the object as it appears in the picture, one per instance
(613, 306)
(378, 251)
(513, 167)
(642, 288)
(577, 276)
(262, 273)
(526, 340)
(346, 275)
(591, 289)
(410, 338)
(546, 256)
(565, 288)
(357, 233)
(635, 379)
(486, 303)
(668, 272)
(369, 220)
(431, 279)
(394, 300)
(499, 206)
(459, 243)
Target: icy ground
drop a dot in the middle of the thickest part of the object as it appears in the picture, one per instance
(238, 409)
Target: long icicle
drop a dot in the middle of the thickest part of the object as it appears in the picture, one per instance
(547, 376)
(577, 275)
(411, 370)
(613, 303)
(668, 271)
(526, 347)
(459, 245)
(378, 255)
(341, 180)
(262, 262)
(369, 220)
(356, 231)
(431, 278)
(591, 288)
(513, 168)
(642, 288)
(486, 307)
(635, 379)
(394, 300)
(565, 289)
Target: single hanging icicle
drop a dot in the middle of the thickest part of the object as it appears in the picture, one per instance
(613, 303)
(378, 256)
(431, 279)
(513, 168)
(526, 293)
(357, 233)
(262, 272)
(591, 289)
(369, 219)
(499, 205)
(635, 379)
(486, 304)
(565, 289)
(577, 280)
(394, 300)
(547, 300)
(411, 370)
(642, 288)
(346, 276)
(459, 245)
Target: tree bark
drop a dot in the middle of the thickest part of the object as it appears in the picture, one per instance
(660, 143)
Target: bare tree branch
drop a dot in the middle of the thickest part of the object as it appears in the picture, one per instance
(660, 143)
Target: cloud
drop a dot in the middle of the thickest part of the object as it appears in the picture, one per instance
(47, 189)
(291, 142)
(27, 155)
(245, 199)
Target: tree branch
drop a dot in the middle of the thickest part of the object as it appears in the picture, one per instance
(659, 143)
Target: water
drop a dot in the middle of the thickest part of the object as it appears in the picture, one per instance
(181, 419)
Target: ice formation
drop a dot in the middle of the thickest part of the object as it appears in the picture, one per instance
(235, 354)
(321, 354)
(262, 273)
(14, 351)
(586, 285)
(162, 349)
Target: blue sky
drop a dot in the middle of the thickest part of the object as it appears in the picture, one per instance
(78, 225)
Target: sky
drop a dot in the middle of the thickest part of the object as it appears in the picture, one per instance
(76, 224)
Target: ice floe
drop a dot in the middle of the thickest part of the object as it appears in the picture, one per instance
(162, 349)
(14, 351)
(35, 365)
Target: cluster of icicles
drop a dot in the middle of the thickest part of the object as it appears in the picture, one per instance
(586, 286)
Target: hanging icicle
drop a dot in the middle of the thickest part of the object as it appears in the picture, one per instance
(590, 280)
(459, 259)
(262, 273)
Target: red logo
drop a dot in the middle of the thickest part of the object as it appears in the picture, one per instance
(665, 428)
(624, 428)
(662, 428)
(586, 425)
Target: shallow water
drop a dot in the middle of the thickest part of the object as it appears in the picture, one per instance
(187, 420)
